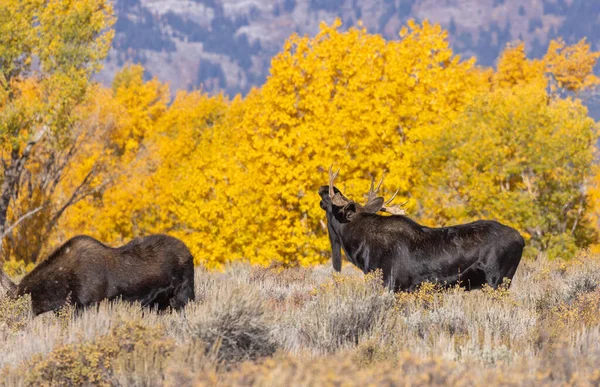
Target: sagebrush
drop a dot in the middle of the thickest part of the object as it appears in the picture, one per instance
(309, 326)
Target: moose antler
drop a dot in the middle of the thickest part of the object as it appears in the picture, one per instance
(395, 209)
(337, 199)
(373, 192)
(372, 195)
(332, 177)
(392, 198)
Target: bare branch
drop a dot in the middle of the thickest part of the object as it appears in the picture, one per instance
(22, 218)
(12, 175)
(31, 143)
(76, 196)
(323, 225)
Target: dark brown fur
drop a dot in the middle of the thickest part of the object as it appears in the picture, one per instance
(408, 254)
(156, 271)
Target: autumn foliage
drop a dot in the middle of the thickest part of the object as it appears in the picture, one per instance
(237, 179)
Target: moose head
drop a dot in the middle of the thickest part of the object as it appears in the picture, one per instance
(340, 211)
(344, 210)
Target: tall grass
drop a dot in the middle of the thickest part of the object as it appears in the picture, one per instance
(280, 327)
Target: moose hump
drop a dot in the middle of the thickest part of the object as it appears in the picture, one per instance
(156, 271)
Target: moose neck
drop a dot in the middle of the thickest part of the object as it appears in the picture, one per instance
(336, 244)
(336, 231)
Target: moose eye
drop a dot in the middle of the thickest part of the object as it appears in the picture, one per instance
(322, 204)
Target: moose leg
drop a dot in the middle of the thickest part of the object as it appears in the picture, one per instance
(510, 261)
(184, 292)
(472, 278)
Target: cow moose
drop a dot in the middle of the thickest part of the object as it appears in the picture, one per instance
(408, 254)
(156, 271)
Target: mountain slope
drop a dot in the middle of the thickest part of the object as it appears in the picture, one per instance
(227, 45)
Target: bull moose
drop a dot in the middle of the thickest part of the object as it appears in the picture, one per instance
(156, 271)
(408, 254)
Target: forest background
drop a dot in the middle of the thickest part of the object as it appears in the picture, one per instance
(237, 178)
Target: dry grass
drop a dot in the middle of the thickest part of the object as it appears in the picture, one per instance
(282, 327)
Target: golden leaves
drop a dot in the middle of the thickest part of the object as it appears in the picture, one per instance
(239, 179)
(517, 157)
(573, 66)
(514, 68)
(74, 34)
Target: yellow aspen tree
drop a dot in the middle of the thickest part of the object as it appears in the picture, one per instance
(516, 155)
(572, 66)
(348, 98)
(128, 114)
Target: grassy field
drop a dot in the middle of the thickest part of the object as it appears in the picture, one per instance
(282, 327)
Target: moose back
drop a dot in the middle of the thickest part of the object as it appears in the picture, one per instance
(156, 271)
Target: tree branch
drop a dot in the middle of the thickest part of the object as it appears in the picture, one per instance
(15, 224)
(75, 197)
(12, 175)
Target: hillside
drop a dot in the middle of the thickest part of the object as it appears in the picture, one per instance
(227, 44)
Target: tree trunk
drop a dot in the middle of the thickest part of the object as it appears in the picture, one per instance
(10, 184)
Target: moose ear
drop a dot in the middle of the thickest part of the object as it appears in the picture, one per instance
(350, 210)
(374, 205)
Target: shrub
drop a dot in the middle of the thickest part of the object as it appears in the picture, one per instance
(583, 310)
(501, 294)
(93, 362)
(234, 324)
(15, 314)
(342, 370)
(426, 296)
(583, 277)
(342, 311)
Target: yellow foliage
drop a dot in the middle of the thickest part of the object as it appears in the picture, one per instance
(16, 268)
(348, 98)
(515, 69)
(143, 102)
(238, 179)
(573, 66)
